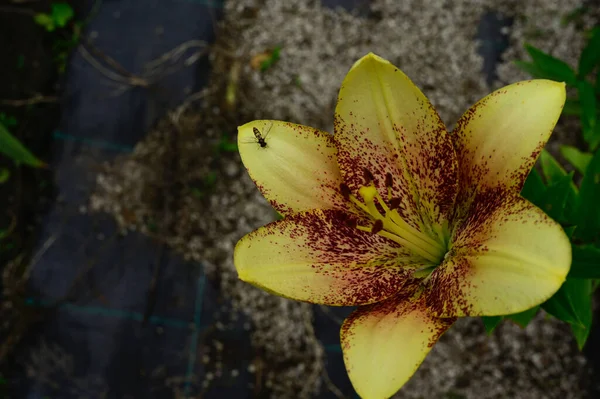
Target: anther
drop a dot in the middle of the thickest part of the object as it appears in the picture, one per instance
(351, 223)
(394, 203)
(377, 227)
(368, 176)
(345, 190)
(389, 181)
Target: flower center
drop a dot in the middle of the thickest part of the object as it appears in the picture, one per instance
(388, 223)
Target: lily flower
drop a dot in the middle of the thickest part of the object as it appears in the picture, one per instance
(415, 225)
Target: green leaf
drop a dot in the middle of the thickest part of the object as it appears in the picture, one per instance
(62, 13)
(581, 299)
(579, 159)
(587, 99)
(573, 16)
(569, 230)
(553, 171)
(13, 148)
(523, 318)
(273, 58)
(561, 304)
(572, 107)
(561, 194)
(590, 56)
(4, 175)
(588, 211)
(586, 262)
(534, 188)
(491, 322)
(595, 137)
(551, 67)
(530, 68)
(45, 20)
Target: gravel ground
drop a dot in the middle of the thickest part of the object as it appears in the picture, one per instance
(433, 41)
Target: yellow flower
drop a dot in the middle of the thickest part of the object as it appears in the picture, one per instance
(415, 225)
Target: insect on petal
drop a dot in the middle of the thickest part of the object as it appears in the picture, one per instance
(295, 169)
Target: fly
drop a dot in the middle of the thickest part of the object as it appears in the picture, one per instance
(259, 138)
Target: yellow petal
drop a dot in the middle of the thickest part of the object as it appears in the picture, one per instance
(295, 168)
(384, 343)
(384, 124)
(499, 138)
(505, 258)
(318, 257)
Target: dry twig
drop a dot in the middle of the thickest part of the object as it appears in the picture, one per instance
(37, 99)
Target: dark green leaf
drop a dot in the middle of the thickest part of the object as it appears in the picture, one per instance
(530, 68)
(273, 58)
(590, 56)
(569, 230)
(534, 188)
(581, 299)
(491, 322)
(11, 147)
(595, 137)
(586, 262)
(523, 318)
(45, 20)
(588, 211)
(551, 67)
(559, 194)
(572, 107)
(4, 175)
(561, 304)
(62, 13)
(553, 172)
(587, 99)
(573, 16)
(579, 159)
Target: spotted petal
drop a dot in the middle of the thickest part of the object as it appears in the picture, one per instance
(384, 343)
(383, 123)
(318, 257)
(499, 138)
(296, 169)
(506, 257)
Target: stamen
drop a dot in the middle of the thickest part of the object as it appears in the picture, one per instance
(408, 230)
(352, 223)
(381, 202)
(368, 194)
(345, 190)
(424, 271)
(377, 227)
(395, 203)
(416, 249)
(389, 183)
(369, 178)
(364, 228)
(388, 222)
